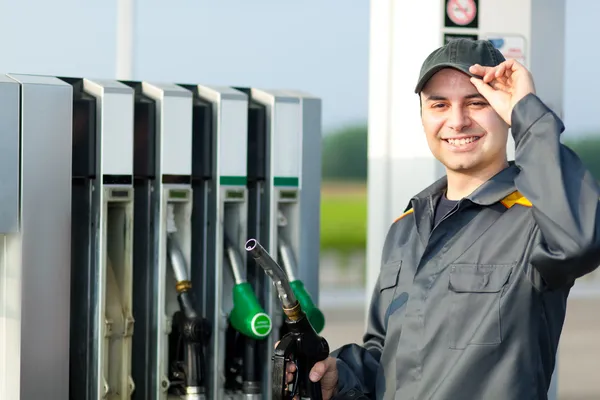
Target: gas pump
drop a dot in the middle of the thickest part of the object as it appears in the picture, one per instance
(35, 234)
(171, 338)
(102, 324)
(276, 123)
(239, 318)
(183, 340)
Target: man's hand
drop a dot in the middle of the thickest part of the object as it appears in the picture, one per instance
(503, 85)
(324, 371)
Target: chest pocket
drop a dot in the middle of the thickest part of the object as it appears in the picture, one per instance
(391, 298)
(475, 293)
(388, 286)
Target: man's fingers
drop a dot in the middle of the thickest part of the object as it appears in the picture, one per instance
(289, 378)
(513, 65)
(482, 87)
(500, 71)
(488, 74)
(479, 70)
(499, 85)
(290, 368)
(317, 371)
(507, 68)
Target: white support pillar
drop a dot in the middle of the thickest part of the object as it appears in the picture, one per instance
(400, 163)
(401, 37)
(125, 39)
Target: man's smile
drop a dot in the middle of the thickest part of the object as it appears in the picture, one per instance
(462, 143)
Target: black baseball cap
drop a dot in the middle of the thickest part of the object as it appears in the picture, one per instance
(459, 54)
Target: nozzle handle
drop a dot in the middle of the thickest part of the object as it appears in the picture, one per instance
(305, 348)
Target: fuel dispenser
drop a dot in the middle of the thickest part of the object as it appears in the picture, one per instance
(35, 231)
(102, 241)
(170, 339)
(277, 140)
(239, 318)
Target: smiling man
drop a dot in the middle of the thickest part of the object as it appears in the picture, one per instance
(475, 275)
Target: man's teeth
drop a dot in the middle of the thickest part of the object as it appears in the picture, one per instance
(461, 142)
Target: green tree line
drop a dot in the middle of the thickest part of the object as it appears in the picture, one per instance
(345, 153)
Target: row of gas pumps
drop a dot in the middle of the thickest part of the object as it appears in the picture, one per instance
(157, 187)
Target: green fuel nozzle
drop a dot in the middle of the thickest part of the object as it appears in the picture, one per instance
(314, 315)
(247, 316)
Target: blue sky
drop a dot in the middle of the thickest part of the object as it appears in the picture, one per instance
(319, 46)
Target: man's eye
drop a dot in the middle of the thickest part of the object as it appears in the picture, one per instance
(438, 105)
(479, 104)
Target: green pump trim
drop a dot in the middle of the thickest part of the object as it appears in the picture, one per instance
(247, 316)
(314, 315)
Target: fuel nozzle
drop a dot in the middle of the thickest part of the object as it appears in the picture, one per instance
(193, 330)
(302, 345)
(275, 272)
(247, 315)
(290, 266)
(315, 316)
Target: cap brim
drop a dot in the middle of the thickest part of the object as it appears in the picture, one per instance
(436, 68)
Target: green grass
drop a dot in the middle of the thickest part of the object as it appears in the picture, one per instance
(343, 217)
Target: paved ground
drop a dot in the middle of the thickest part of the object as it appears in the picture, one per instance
(579, 353)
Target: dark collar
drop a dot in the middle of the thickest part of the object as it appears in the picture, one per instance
(495, 189)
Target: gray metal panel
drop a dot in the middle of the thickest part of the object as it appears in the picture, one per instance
(46, 115)
(230, 113)
(222, 92)
(174, 106)
(9, 155)
(114, 125)
(282, 95)
(285, 140)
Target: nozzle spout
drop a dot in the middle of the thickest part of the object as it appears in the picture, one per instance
(235, 261)
(287, 259)
(181, 276)
(177, 259)
(274, 271)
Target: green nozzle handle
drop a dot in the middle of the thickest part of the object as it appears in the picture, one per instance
(314, 315)
(247, 316)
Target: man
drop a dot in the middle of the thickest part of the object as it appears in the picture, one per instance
(472, 292)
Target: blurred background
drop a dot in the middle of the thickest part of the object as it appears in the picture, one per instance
(321, 47)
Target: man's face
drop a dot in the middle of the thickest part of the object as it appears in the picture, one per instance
(463, 131)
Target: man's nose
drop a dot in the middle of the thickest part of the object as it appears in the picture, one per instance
(458, 119)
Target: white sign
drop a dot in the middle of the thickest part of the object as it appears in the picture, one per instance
(461, 12)
(511, 46)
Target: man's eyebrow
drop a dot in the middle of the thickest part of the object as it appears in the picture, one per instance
(434, 97)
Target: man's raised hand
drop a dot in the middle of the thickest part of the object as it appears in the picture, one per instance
(503, 86)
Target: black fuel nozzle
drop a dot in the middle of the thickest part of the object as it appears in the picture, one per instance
(301, 345)
(189, 340)
(191, 334)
